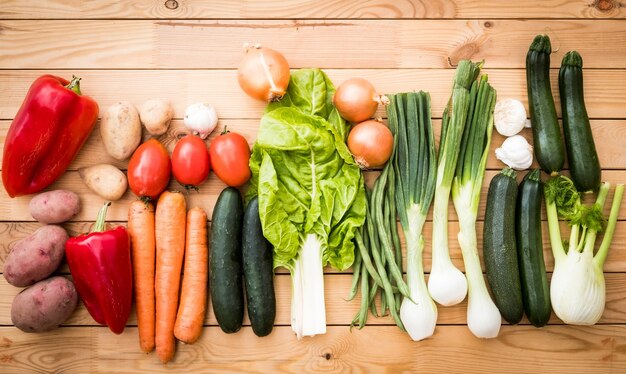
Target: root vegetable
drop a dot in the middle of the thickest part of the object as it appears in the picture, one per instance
(54, 206)
(201, 119)
(45, 305)
(105, 180)
(371, 144)
(36, 256)
(120, 129)
(263, 74)
(156, 115)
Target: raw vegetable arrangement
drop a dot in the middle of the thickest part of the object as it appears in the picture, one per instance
(298, 200)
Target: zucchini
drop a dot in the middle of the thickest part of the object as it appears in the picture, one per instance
(534, 280)
(581, 151)
(499, 246)
(549, 148)
(225, 269)
(258, 270)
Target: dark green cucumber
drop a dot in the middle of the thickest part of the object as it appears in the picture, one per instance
(225, 269)
(258, 271)
(499, 246)
(582, 157)
(533, 277)
(547, 141)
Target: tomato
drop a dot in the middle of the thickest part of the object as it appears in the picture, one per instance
(230, 155)
(190, 161)
(149, 170)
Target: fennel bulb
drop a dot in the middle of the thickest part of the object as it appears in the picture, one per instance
(577, 288)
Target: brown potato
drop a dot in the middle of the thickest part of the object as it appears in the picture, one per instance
(156, 114)
(54, 206)
(105, 180)
(45, 305)
(36, 256)
(120, 129)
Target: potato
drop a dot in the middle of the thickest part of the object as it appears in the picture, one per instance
(45, 305)
(36, 256)
(120, 130)
(54, 206)
(105, 180)
(156, 115)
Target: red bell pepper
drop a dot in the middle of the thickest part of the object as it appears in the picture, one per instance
(48, 131)
(100, 265)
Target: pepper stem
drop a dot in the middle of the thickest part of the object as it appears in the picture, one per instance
(100, 224)
(74, 85)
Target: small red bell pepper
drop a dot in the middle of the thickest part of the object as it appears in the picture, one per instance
(100, 265)
(48, 131)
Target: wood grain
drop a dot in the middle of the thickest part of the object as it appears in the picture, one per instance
(605, 132)
(597, 349)
(338, 310)
(605, 90)
(303, 9)
(17, 208)
(11, 232)
(383, 44)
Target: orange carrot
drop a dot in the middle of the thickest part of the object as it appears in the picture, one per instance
(170, 248)
(192, 307)
(141, 231)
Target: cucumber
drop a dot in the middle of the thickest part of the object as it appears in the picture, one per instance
(258, 270)
(581, 151)
(547, 141)
(225, 269)
(534, 280)
(499, 246)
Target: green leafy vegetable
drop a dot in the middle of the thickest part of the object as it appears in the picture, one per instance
(310, 191)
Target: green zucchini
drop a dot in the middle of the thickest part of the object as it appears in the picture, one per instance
(547, 141)
(534, 280)
(258, 270)
(499, 246)
(225, 268)
(582, 157)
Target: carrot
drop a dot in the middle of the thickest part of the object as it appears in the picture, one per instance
(192, 307)
(170, 248)
(141, 231)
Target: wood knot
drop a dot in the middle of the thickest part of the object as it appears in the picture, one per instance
(327, 356)
(464, 52)
(488, 25)
(171, 4)
(604, 5)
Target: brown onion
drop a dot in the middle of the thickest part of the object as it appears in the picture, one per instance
(263, 74)
(371, 144)
(356, 100)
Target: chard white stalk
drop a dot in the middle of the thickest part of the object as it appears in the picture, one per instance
(577, 288)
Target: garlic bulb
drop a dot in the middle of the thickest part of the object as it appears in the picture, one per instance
(509, 117)
(201, 119)
(516, 153)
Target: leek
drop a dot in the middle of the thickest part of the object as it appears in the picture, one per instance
(577, 289)
(447, 284)
(414, 164)
(483, 317)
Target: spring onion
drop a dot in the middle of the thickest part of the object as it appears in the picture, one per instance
(483, 317)
(447, 284)
(414, 164)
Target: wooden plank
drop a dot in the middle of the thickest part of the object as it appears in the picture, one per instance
(17, 208)
(11, 232)
(553, 349)
(304, 9)
(338, 310)
(607, 133)
(605, 90)
(368, 43)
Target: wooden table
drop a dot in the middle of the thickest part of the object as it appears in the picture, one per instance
(188, 51)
